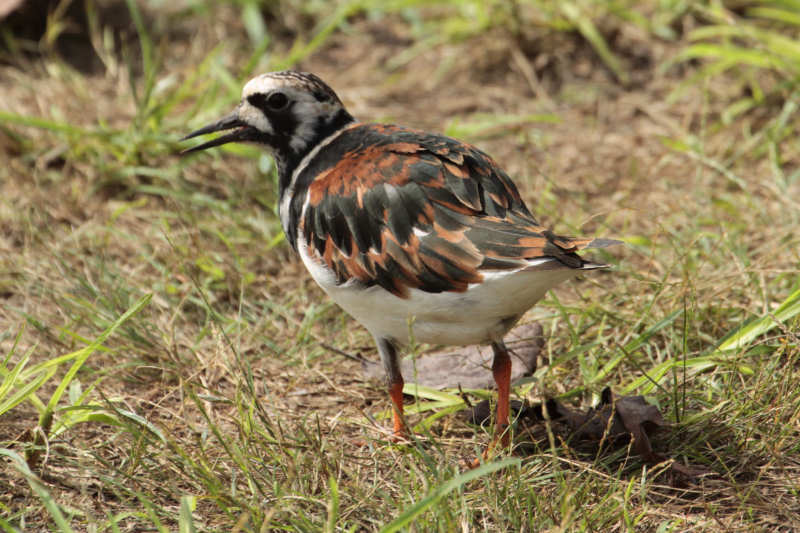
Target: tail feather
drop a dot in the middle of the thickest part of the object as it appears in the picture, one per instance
(588, 265)
(600, 243)
(597, 243)
(563, 254)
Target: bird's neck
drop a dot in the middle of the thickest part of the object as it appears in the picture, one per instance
(291, 163)
(289, 156)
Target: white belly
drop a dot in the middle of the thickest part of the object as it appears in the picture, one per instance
(483, 313)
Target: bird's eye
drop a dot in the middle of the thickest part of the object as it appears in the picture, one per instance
(277, 101)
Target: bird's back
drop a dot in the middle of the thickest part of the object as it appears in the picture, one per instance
(402, 209)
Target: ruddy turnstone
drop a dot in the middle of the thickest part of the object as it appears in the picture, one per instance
(410, 232)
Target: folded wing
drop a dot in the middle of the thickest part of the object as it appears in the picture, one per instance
(408, 209)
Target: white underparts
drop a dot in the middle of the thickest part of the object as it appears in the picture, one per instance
(483, 313)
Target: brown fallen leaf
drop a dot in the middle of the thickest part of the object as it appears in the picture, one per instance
(615, 421)
(468, 367)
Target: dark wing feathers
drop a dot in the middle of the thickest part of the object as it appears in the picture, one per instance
(405, 209)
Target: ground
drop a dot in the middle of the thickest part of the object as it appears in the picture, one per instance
(224, 402)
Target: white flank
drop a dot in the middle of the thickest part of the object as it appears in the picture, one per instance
(483, 313)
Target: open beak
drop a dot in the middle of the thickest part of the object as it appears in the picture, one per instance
(242, 133)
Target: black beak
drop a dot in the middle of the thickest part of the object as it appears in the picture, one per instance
(243, 133)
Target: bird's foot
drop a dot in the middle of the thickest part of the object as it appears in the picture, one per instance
(400, 437)
(501, 441)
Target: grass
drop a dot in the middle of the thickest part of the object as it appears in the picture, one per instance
(164, 361)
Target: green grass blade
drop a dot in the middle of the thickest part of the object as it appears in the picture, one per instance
(51, 363)
(141, 422)
(8, 527)
(83, 354)
(150, 512)
(429, 393)
(733, 55)
(635, 344)
(146, 46)
(36, 485)
(590, 32)
(333, 506)
(747, 333)
(791, 18)
(10, 378)
(439, 412)
(25, 392)
(779, 45)
(300, 51)
(730, 345)
(254, 24)
(421, 407)
(185, 521)
(647, 383)
(408, 516)
(42, 124)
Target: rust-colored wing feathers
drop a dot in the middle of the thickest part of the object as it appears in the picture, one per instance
(408, 209)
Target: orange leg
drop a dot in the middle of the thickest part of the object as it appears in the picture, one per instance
(501, 370)
(396, 393)
(394, 378)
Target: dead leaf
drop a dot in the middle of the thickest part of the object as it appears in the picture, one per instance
(614, 421)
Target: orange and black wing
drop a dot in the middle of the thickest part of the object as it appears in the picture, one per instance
(406, 209)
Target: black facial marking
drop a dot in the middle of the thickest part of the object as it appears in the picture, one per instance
(283, 122)
(321, 96)
(258, 100)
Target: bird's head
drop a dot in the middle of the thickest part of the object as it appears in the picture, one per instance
(286, 112)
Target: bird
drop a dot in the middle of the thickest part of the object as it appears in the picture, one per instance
(414, 234)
